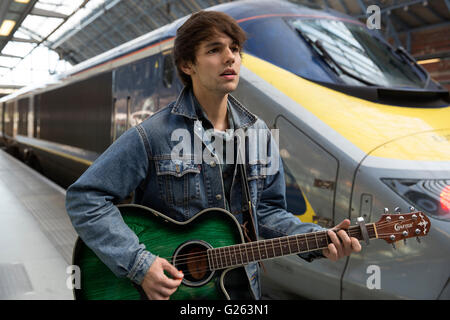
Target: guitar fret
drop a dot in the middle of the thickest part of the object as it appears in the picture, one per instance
(306, 240)
(292, 244)
(246, 253)
(240, 253)
(230, 256)
(251, 250)
(285, 247)
(234, 256)
(256, 257)
(265, 246)
(298, 245)
(217, 254)
(208, 255)
(273, 248)
(261, 255)
(317, 243)
(311, 242)
(222, 258)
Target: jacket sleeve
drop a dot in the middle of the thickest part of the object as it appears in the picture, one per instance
(273, 218)
(90, 206)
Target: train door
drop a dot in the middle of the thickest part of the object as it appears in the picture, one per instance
(135, 93)
(311, 175)
(313, 169)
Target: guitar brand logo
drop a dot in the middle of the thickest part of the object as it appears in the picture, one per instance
(399, 226)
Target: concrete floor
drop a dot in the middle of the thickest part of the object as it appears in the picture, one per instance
(36, 236)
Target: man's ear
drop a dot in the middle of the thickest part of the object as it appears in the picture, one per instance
(187, 67)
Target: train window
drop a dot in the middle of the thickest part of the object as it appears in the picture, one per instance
(169, 69)
(354, 54)
(23, 116)
(9, 119)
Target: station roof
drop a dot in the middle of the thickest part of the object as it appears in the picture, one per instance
(109, 23)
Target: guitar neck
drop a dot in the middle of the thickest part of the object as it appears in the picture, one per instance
(242, 254)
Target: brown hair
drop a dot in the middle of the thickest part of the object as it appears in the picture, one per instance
(202, 26)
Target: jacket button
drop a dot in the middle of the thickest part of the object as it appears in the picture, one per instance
(219, 197)
(212, 164)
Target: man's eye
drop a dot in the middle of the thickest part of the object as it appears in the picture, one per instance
(212, 50)
(235, 49)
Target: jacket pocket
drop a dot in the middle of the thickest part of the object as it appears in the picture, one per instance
(179, 181)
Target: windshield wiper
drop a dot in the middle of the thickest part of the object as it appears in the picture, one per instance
(409, 59)
(326, 57)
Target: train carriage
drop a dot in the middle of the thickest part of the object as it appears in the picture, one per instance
(362, 127)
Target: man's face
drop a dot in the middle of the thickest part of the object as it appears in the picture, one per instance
(217, 66)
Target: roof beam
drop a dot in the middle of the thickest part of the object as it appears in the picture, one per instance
(10, 56)
(48, 13)
(15, 39)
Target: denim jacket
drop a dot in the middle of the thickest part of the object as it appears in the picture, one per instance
(141, 161)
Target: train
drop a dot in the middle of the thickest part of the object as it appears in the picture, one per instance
(363, 129)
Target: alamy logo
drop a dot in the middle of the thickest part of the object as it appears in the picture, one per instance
(211, 146)
(74, 279)
(374, 20)
(374, 280)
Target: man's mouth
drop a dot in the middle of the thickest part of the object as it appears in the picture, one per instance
(229, 74)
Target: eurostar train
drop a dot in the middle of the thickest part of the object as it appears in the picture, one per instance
(362, 127)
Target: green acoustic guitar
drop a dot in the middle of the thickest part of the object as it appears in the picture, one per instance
(210, 250)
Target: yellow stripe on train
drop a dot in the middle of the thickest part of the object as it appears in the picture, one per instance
(379, 130)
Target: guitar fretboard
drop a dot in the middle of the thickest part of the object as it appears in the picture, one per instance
(245, 253)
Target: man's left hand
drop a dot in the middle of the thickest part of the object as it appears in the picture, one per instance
(342, 245)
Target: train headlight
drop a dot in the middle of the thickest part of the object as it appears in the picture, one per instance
(429, 195)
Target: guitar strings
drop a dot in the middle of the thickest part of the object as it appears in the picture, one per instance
(225, 265)
(284, 241)
(239, 249)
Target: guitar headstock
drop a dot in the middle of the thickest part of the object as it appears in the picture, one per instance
(401, 226)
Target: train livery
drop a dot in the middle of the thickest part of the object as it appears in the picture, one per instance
(362, 127)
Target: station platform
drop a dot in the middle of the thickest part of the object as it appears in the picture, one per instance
(36, 235)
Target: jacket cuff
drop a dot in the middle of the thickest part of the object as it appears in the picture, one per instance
(141, 266)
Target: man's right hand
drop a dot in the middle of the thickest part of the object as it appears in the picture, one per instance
(156, 284)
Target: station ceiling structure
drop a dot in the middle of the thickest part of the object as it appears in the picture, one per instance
(114, 22)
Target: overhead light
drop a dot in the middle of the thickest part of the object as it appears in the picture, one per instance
(6, 27)
(22, 1)
(428, 61)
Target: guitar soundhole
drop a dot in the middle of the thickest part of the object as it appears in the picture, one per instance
(190, 257)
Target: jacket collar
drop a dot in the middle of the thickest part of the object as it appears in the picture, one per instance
(184, 106)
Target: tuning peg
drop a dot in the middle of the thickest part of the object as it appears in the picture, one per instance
(386, 210)
(412, 209)
(393, 246)
(417, 232)
(397, 210)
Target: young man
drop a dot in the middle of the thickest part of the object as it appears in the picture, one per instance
(208, 57)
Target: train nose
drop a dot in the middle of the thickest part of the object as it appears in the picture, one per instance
(433, 145)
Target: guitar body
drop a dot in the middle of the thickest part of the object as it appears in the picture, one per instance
(173, 241)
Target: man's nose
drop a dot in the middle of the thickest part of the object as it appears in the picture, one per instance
(229, 55)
